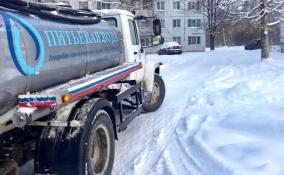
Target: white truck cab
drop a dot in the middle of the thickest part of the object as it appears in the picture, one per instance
(126, 23)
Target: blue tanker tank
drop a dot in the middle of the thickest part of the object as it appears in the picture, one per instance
(39, 52)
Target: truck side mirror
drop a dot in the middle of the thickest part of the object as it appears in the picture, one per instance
(157, 27)
(157, 40)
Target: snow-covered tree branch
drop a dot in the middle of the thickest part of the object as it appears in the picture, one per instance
(216, 13)
(267, 12)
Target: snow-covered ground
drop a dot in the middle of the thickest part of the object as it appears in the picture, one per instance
(223, 114)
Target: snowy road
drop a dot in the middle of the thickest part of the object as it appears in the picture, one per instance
(222, 114)
(144, 142)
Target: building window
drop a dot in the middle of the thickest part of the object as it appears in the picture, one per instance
(176, 23)
(177, 39)
(194, 23)
(103, 5)
(191, 6)
(83, 5)
(193, 40)
(162, 23)
(194, 6)
(99, 5)
(198, 6)
(160, 6)
(177, 5)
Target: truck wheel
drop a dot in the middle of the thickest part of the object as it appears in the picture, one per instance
(97, 144)
(8, 167)
(88, 150)
(158, 95)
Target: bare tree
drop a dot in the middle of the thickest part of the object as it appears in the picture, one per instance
(268, 13)
(264, 31)
(216, 13)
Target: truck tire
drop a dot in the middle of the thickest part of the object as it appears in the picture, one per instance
(88, 150)
(158, 95)
(8, 167)
(97, 145)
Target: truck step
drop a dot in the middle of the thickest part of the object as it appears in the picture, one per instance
(129, 119)
(73, 89)
(135, 91)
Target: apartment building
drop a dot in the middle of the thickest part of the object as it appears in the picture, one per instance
(182, 21)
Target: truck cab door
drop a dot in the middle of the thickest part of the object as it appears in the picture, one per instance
(134, 49)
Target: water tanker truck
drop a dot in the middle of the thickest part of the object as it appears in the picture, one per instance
(70, 80)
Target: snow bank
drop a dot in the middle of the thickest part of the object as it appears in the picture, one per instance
(245, 121)
(233, 122)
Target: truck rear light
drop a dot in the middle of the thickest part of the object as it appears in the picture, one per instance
(175, 47)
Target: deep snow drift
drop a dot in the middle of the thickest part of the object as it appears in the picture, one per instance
(233, 122)
(223, 114)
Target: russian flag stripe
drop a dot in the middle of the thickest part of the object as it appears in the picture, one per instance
(108, 80)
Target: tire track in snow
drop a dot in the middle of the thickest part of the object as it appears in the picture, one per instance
(191, 167)
(157, 130)
(202, 158)
(141, 160)
(162, 141)
(178, 153)
(151, 154)
(178, 149)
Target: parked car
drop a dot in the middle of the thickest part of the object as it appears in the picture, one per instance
(253, 44)
(170, 48)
